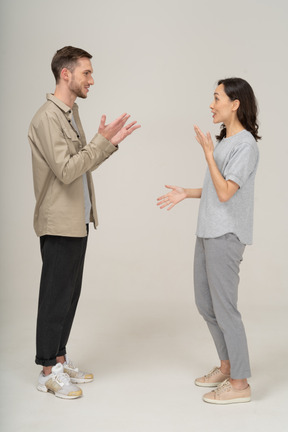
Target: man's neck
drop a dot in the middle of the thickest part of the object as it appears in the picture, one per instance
(65, 96)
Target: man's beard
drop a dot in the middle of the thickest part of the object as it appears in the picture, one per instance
(77, 90)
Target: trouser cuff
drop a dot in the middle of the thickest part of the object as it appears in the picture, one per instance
(52, 361)
(42, 362)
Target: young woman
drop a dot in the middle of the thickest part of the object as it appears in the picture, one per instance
(225, 224)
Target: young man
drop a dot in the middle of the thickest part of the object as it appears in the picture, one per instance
(65, 204)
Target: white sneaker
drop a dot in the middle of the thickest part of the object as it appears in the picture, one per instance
(76, 376)
(58, 383)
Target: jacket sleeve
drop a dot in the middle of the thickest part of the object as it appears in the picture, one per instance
(57, 148)
(108, 147)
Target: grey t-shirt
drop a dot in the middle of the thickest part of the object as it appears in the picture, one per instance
(237, 159)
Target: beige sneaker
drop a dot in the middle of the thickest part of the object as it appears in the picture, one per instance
(76, 376)
(226, 394)
(212, 379)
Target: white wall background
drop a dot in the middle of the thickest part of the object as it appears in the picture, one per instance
(158, 60)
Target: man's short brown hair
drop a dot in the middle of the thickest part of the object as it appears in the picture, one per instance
(67, 57)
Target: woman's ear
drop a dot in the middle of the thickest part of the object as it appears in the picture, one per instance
(236, 104)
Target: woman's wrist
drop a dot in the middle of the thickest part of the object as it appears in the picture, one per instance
(186, 191)
(193, 193)
(209, 156)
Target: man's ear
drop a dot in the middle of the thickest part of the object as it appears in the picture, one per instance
(65, 73)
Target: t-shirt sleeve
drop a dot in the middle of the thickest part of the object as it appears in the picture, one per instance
(241, 164)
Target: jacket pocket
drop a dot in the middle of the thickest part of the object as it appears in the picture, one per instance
(73, 142)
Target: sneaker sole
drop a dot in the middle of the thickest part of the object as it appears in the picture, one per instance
(200, 384)
(59, 395)
(81, 380)
(226, 402)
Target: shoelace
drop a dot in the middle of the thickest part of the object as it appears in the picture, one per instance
(212, 372)
(223, 386)
(62, 378)
(71, 365)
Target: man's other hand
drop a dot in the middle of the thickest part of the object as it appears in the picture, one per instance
(116, 131)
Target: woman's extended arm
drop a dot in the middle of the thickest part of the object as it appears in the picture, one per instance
(176, 195)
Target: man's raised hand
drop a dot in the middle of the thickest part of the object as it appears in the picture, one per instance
(116, 131)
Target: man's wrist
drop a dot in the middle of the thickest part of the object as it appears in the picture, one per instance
(114, 143)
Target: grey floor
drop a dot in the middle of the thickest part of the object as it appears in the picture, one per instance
(145, 358)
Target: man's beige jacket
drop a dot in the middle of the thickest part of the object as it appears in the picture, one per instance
(59, 158)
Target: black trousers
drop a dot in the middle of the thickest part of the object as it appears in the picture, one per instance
(60, 287)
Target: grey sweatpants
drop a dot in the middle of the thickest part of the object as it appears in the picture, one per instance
(216, 279)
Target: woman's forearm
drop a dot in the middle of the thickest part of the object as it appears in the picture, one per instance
(193, 193)
(224, 189)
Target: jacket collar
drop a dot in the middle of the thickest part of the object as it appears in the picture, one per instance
(65, 108)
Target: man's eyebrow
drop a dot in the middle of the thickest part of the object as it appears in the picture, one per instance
(215, 93)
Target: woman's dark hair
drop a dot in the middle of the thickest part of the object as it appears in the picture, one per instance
(67, 57)
(238, 88)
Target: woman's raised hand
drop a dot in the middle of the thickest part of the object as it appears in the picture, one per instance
(205, 141)
(172, 198)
